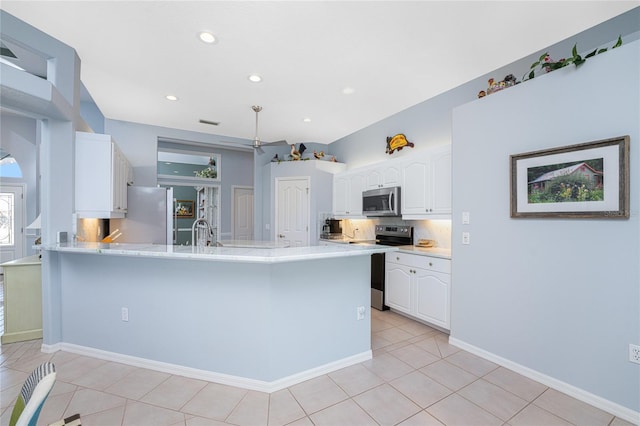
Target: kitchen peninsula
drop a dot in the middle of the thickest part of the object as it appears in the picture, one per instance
(257, 317)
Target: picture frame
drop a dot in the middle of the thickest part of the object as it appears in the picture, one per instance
(184, 209)
(587, 180)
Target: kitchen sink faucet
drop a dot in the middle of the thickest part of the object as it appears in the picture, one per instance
(198, 242)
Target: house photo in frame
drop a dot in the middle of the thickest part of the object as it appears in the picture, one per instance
(588, 180)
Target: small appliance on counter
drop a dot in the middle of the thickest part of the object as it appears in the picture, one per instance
(332, 229)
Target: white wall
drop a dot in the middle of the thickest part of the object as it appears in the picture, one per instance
(558, 296)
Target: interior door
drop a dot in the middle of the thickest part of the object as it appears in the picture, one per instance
(242, 213)
(11, 222)
(292, 211)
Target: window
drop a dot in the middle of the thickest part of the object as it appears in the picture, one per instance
(7, 214)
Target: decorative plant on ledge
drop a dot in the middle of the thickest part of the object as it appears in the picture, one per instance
(547, 64)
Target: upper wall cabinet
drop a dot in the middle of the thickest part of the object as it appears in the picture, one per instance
(425, 179)
(426, 185)
(383, 176)
(102, 176)
(347, 194)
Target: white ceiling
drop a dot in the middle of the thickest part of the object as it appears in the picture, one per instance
(394, 55)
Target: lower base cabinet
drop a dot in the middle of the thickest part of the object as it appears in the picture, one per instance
(22, 300)
(419, 286)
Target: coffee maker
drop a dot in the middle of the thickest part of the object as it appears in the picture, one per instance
(332, 229)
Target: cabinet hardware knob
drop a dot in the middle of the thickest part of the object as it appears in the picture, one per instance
(280, 236)
(430, 264)
(397, 258)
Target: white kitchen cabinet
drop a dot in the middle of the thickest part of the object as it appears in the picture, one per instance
(102, 176)
(22, 300)
(419, 286)
(398, 286)
(347, 194)
(383, 176)
(426, 185)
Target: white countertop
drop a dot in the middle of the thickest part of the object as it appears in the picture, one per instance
(29, 260)
(443, 253)
(256, 253)
(427, 251)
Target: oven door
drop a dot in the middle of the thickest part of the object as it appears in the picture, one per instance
(377, 281)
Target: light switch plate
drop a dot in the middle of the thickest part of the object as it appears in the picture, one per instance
(466, 217)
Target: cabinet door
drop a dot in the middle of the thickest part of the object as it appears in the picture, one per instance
(383, 177)
(391, 176)
(374, 179)
(441, 181)
(416, 196)
(340, 192)
(432, 297)
(356, 186)
(93, 175)
(398, 287)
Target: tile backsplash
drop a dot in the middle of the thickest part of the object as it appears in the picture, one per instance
(438, 230)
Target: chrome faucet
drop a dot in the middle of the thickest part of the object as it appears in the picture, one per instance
(196, 222)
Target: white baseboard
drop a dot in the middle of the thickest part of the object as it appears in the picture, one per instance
(577, 393)
(211, 376)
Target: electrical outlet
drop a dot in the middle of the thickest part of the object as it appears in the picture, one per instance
(125, 314)
(360, 310)
(634, 353)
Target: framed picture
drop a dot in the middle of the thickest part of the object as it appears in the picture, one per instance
(589, 180)
(184, 209)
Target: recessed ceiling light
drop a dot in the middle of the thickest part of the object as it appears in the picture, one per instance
(348, 91)
(171, 97)
(207, 37)
(306, 120)
(255, 78)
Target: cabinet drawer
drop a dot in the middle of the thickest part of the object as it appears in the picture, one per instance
(418, 261)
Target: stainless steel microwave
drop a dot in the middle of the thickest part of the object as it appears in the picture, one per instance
(381, 202)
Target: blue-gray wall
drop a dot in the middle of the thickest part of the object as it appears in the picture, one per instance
(139, 143)
(429, 123)
(19, 136)
(559, 296)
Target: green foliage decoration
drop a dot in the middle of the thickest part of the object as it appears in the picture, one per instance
(547, 64)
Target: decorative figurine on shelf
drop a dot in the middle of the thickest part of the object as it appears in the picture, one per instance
(318, 155)
(496, 86)
(295, 154)
(397, 142)
(275, 159)
(333, 159)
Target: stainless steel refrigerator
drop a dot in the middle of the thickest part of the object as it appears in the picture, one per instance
(149, 218)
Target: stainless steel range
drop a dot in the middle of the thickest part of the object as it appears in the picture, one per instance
(388, 235)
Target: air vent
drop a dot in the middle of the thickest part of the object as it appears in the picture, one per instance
(213, 123)
(6, 52)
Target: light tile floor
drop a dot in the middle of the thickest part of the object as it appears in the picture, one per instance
(415, 378)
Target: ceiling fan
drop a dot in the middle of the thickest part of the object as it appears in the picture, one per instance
(257, 143)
